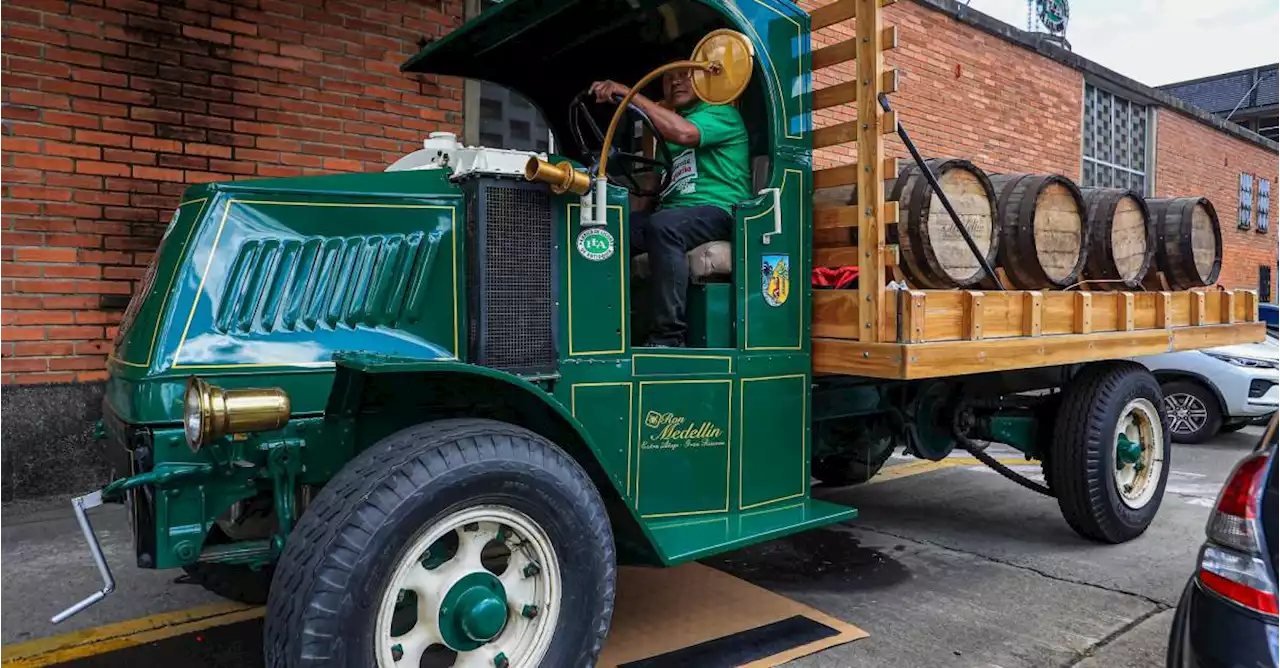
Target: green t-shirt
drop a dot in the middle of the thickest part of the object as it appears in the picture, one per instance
(716, 171)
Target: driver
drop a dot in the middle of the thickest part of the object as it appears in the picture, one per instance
(710, 175)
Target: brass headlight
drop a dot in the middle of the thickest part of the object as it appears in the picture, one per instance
(209, 412)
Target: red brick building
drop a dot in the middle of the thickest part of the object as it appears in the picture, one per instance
(111, 108)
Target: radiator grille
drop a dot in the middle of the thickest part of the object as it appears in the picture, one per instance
(511, 276)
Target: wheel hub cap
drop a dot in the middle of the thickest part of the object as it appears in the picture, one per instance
(1127, 452)
(473, 612)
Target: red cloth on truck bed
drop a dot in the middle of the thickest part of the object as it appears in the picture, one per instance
(837, 278)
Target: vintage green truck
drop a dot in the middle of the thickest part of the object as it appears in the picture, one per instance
(406, 410)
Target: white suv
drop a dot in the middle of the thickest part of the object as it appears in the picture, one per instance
(1220, 389)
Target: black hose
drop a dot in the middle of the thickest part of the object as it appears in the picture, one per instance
(946, 203)
(973, 449)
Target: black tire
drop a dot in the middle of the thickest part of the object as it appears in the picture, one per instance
(1082, 475)
(236, 582)
(1195, 394)
(1228, 427)
(338, 559)
(853, 468)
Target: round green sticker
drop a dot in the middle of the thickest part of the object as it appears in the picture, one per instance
(595, 244)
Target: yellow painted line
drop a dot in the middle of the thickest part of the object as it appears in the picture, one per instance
(909, 469)
(111, 637)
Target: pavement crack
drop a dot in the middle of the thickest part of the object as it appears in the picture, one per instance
(1113, 636)
(1160, 605)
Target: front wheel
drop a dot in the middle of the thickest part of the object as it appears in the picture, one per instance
(1110, 452)
(459, 542)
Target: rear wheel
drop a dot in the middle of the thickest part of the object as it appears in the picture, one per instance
(459, 542)
(1110, 452)
(1194, 415)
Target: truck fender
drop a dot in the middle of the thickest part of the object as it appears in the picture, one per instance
(529, 406)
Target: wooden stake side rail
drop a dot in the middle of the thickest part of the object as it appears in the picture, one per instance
(953, 332)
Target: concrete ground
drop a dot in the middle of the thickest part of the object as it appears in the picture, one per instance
(946, 565)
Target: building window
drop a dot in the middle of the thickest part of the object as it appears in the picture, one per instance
(1115, 141)
(1264, 205)
(1264, 283)
(1269, 127)
(1244, 215)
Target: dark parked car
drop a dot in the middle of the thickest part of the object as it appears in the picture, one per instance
(1227, 615)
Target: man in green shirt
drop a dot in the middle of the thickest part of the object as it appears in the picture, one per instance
(710, 174)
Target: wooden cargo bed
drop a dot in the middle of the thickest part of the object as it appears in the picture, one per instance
(934, 333)
(880, 332)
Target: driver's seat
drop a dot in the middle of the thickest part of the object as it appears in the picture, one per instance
(713, 261)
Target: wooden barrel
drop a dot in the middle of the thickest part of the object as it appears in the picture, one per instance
(1122, 238)
(1188, 241)
(1043, 236)
(932, 252)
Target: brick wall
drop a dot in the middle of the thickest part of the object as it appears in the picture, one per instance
(964, 93)
(1193, 159)
(111, 107)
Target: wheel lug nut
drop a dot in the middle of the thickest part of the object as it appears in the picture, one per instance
(531, 569)
(529, 610)
(397, 652)
(500, 661)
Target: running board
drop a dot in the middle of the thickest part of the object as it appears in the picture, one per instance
(684, 539)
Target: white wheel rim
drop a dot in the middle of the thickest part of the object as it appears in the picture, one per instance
(1137, 481)
(1187, 414)
(523, 640)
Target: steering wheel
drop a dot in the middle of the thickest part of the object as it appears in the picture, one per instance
(624, 166)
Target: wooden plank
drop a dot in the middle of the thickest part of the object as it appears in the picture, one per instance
(942, 316)
(1082, 317)
(846, 256)
(847, 175)
(1228, 308)
(954, 358)
(1247, 306)
(891, 255)
(1164, 309)
(834, 96)
(829, 15)
(1144, 307)
(835, 314)
(832, 177)
(1213, 336)
(934, 360)
(889, 123)
(913, 315)
(890, 215)
(1197, 307)
(871, 267)
(1059, 312)
(1124, 319)
(831, 238)
(888, 38)
(889, 83)
(834, 54)
(972, 318)
(1180, 310)
(1032, 305)
(840, 10)
(832, 217)
(839, 133)
(1104, 311)
(857, 358)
